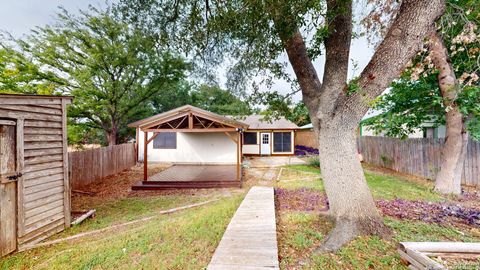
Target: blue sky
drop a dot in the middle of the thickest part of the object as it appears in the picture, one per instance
(19, 16)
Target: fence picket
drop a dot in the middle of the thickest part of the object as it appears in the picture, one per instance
(91, 165)
(418, 156)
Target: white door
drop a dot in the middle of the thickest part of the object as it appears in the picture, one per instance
(264, 143)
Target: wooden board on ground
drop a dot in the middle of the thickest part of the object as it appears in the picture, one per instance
(250, 240)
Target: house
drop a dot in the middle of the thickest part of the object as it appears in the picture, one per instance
(205, 145)
(275, 137)
(34, 180)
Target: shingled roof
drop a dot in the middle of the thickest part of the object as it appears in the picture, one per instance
(258, 122)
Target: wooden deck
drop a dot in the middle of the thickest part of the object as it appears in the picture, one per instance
(192, 176)
(250, 241)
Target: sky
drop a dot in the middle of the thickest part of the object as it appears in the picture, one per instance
(18, 17)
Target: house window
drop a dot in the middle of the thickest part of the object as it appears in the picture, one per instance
(165, 140)
(250, 138)
(282, 142)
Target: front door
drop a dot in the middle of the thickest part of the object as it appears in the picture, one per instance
(8, 188)
(265, 144)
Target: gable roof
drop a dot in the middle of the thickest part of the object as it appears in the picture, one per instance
(257, 122)
(184, 110)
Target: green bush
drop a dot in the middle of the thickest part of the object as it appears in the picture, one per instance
(314, 161)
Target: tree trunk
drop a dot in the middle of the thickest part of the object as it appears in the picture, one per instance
(448, 179)
(350, 201)
(112, 136)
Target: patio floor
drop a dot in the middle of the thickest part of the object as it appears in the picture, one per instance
(192, 176)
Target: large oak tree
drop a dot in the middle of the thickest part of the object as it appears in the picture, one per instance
(114, 70)
(253, 34)
(441, 87)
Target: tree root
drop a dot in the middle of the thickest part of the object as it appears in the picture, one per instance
(346, 230)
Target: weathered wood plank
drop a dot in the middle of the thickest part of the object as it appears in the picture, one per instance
(43, 124)
(42, 180)
(42, 145)
(30, 115)
(46, 213)
(43, 194)
(42, 233)
(33, 175)
(48, 206)
(21, 179)
(42, 130)
(42, 159)
(41, 152)
(43, 138)
(42, 166)
(44, 222)
(250, 241)
(31, 108)
(39, 202)
(24, 101)
(66, 181)
(44, 186)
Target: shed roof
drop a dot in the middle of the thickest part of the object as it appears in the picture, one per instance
(30, 96)
(186, 109)
(258, 122)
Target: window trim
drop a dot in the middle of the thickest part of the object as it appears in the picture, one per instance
(292, 141)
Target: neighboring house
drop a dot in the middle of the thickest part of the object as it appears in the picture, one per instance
(190, 135)
(427, 131)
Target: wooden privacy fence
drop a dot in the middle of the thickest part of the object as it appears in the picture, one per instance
(91, 165)
(306, 138)
(419, 156)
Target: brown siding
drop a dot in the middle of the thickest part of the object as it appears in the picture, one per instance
(41, 203)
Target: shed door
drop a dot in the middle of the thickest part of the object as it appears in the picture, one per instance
(8, 188)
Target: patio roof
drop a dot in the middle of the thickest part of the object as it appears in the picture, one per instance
(188, 118)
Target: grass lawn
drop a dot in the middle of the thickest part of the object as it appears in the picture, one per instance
(182, 240)
(382, 185)
(301, 232)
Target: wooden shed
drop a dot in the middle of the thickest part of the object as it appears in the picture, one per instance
(34, 186)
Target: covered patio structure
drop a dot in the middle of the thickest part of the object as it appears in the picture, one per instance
(205, 149)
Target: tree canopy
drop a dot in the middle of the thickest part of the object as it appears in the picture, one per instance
(113, 69)
(415, 99)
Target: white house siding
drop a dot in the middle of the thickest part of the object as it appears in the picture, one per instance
(254, 149)
(251, 149)
(194, 148)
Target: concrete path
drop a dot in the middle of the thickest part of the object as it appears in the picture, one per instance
(250, 241)
(272, 161)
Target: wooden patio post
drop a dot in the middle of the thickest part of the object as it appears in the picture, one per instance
(239, 159)
(145, 165)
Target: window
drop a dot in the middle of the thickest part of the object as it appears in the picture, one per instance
(282, 142)
(165, 140)
(250, 138)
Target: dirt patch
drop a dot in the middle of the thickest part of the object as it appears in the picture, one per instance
(302, 199)
(119, 186)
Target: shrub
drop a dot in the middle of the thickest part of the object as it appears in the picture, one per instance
(314, 161)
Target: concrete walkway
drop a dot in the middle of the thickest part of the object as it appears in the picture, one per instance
(250, 241)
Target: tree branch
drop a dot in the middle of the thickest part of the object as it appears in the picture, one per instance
(404, 38)
(337, 51)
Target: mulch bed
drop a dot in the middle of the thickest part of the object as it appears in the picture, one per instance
(432, 212)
